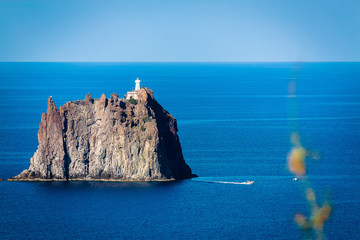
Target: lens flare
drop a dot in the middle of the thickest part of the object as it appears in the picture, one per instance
(296, 163)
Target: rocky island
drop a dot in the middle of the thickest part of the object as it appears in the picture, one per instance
(114, 139)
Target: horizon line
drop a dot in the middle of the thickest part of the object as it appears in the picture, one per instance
(180, 61)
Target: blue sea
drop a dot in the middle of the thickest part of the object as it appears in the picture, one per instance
(234, 120)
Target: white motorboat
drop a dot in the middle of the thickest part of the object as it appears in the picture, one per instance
(248, 182)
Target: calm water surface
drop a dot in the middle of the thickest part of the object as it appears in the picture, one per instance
(234, 124)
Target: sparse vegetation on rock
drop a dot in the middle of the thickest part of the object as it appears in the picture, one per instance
(133, 101)
(97, 139)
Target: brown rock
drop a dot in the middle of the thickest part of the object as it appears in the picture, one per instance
(48, 160)
(119, 142)
(114, 97)
(88, 98)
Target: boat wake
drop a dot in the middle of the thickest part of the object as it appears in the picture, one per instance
(223, 182)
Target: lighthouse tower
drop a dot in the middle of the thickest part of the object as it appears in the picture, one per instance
(137, 84)
(134, 94)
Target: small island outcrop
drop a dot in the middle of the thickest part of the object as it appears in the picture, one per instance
(107, 140)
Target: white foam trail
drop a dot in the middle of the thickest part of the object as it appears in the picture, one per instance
(223, 182)
(244, 183)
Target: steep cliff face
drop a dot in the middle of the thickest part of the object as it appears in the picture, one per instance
(107, 139)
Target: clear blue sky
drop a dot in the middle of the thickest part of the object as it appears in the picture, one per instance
(180, 30)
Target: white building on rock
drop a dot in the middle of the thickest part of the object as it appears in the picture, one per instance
(134, 94)
(137, 84)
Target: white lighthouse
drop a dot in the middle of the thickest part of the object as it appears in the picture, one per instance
(134, 94)
(137, 84)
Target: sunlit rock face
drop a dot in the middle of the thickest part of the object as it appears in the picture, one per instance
(107, 139)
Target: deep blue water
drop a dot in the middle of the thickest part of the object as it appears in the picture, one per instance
(234, 124)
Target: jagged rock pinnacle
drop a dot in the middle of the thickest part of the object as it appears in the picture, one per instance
(112, 140)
